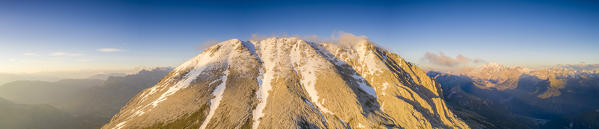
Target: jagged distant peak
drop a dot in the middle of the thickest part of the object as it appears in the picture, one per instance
(577, 67)
(505, 77)
(492, 65)
(501, 67)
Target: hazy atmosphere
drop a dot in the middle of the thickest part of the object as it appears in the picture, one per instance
(73, 36)
(275, 64)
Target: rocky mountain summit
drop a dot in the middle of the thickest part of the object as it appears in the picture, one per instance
(291, 83)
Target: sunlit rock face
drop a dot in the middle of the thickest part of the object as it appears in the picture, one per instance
(291, 83)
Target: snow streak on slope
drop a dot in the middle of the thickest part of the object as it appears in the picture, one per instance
(220, 89)
(191, 70)
(363, 86)
(267, 75)
(120, 125)
(183, 83)
(201, 62)
(307, 64)
(362, 83)
(218, 93)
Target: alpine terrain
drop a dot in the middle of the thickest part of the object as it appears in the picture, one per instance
(496, 96)
(286, 82)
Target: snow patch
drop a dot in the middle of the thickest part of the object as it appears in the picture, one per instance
(385, 85)
(369, 59)
(262, 95)
(361, 126)
(139, 113)
(120, 125)
(259, 78)
(364, 86)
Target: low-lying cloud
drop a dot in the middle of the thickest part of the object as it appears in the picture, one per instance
(444, 60)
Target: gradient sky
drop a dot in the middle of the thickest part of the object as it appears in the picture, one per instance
(42, 36)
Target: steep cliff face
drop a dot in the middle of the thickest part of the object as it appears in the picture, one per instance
(291, 83)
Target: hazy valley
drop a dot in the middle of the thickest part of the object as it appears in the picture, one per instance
(70, 103)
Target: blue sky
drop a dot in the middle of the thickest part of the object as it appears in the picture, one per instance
(42, 36)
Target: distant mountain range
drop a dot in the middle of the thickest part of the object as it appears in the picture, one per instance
(71, 103)
(497, 96)
(490, 96)
(56, 76)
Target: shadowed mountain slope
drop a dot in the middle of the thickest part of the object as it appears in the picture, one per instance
(558, 97)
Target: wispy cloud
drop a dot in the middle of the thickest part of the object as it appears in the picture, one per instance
(444, 60)
(84, 60)
(258, 37)
(207, 44)
(30, 54)
(345, 38)
(65, 54)
(313, 38)
(109, 50)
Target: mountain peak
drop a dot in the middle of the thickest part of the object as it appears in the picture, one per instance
(287, 82)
